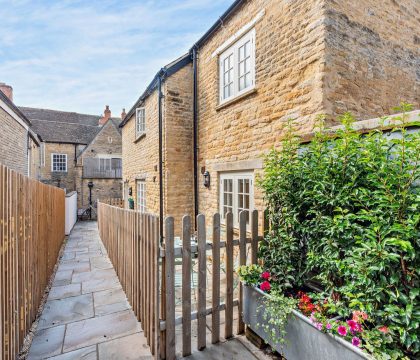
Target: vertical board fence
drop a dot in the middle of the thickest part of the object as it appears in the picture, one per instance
(131, 239)
(31, 234)
(148, 273)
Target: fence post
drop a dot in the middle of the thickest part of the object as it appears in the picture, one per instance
(229, 276)
(186, 286)
(215, 315)
(254, 236)
(170, 287)
(242, 261)
(201, 307)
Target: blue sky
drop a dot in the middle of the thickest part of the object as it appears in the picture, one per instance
(78, 55)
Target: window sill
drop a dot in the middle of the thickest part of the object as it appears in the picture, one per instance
(141, 136)
(237, 98)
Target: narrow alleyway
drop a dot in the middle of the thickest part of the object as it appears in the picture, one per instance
(87, 315)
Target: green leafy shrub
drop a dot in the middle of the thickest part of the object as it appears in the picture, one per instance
(345, 211)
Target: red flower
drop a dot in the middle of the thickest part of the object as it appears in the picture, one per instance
(354, 326)
(265, 286)
(359, 316)
(266, 275)
(384, 329)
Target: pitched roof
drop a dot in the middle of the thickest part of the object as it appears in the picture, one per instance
(10, 104)
(64, 126)
(166, 71)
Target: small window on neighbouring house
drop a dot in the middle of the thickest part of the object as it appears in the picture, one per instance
(59, 162)
(140, 121)
(237, 68)
(236, 194)
(141, 195)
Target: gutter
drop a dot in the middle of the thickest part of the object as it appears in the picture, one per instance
(160, 77)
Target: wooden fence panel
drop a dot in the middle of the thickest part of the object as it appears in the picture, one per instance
(132, 241)
(31, 235)
(186, 286)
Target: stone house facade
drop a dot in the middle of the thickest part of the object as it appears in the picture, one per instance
(67, 139)
(265, 62)
(143, 129)
(100, 163)
(19, 146)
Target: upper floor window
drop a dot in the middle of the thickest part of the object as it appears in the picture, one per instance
(237, 68)
(140, 121)
(236, 194)
(59, 162)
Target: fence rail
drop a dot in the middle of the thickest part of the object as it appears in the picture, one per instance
(31, 234)
(132, 241)
(148, 273)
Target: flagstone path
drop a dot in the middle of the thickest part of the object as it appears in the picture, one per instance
(87, 315)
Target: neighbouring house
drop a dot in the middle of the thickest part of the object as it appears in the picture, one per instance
(262, 64)
(265, 62)
(157, 144)
(19, 145)
(79, 148)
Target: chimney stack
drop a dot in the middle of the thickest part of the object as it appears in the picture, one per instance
(7, 90)
(107, 115)
(123, 114)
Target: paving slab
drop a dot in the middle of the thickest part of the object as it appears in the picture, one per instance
(63, 291)
(46, 343)
(63, 277)
(75, 265)
(94, 275)
(99, 329)
(124, 349)
(87, 353)
(64, 311)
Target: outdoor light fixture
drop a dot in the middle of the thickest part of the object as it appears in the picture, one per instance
(206, 175)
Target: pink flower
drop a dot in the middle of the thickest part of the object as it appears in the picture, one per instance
(312, 318)
(266, 275)
(265, 286)
(318, 326)
(342, 330)
(355, 341)
(354, 326)
(384, 329)
(328, 326)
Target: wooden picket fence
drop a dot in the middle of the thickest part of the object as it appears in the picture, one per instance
(31, 234)
(147, 271)
(132, 242)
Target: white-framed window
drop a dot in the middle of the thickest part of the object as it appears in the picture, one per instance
(237, 68)
(141, 195)
(42, 154)
(59, 162)
(140, 121)
(236, 194)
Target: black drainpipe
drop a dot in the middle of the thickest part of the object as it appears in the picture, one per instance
(195, 137)
(160, 95)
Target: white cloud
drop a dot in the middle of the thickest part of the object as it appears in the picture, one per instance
(79, 56)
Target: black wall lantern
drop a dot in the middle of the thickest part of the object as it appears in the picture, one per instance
(130, 191)
(206, 176)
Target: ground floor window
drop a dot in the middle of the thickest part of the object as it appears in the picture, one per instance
(236, 194)
(141, 196)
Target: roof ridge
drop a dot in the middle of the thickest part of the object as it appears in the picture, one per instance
(65, 122)
(61, 111)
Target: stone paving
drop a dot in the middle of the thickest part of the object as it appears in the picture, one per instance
(87, 315)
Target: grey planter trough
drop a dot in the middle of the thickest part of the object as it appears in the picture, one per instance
(303, 340)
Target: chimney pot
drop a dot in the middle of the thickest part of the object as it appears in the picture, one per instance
(123, 114)
(7, 90)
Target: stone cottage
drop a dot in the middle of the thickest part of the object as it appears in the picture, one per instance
(265, 62)
(157, 144)
(19, 145)
(79, 148)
